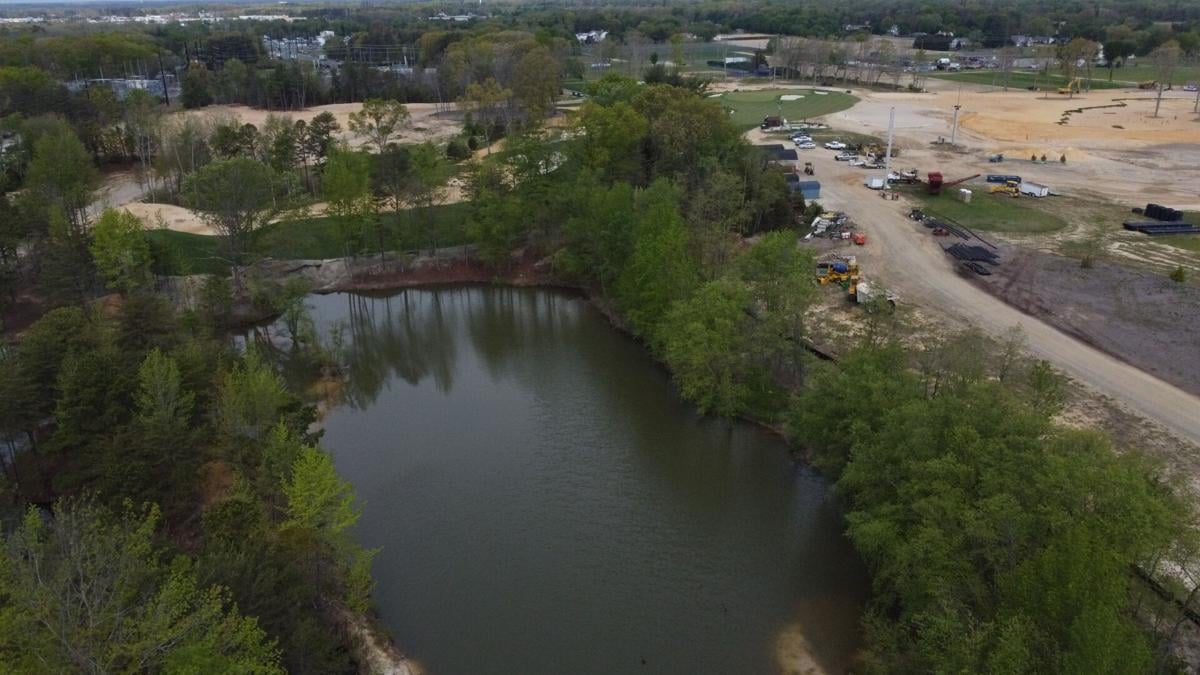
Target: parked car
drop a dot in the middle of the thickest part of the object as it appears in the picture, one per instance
(835, 145)
(855, 162)
(846, 156)
(801, 138)
(807, 145)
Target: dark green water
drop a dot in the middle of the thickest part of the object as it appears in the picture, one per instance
(546, 504)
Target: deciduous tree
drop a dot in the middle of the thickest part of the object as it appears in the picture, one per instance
(121, 251)
(379, 121)
(234, 196)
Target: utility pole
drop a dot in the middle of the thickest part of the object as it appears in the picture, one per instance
(887, 156)
(957, 107)
(163, 74)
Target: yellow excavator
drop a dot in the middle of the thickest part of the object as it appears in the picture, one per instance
(839, 270)
(1072, 87)
(1010, 187)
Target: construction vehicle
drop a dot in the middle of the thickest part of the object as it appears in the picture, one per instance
(1148, 84)
(808, 169)
(937, 182)
(878, 150)
(1071, 88)
(842, 269)
(1010, 187)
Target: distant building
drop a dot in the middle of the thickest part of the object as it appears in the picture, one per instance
(939, 43)
(457, 18)
(592, 36)
(809, 189)
(122, 87)
(777, 153)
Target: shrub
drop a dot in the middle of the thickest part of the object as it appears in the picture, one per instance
(1178, 275)
(458, 150)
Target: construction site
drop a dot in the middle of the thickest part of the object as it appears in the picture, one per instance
(1072, 215)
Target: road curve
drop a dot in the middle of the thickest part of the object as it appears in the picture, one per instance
(913, 264)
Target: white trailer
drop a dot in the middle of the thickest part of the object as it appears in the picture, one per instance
(1034, 189)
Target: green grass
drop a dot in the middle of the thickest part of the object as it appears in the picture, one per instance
(750, 107)
(1187, 242)
(991, 213)
(318, 237)
(1025, 79)
(184, 253)
(1142, 72)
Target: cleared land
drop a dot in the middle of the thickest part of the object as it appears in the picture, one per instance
(748, 108)
(904, 257)
(429, 121)
(1144, 319)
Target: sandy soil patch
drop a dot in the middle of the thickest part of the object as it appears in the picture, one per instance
(169, 216)
(1117, 154)
(430, 121)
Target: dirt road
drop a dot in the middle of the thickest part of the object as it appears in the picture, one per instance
(900, 253)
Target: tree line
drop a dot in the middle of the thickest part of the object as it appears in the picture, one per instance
(997, 538)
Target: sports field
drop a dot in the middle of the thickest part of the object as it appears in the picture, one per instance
(748, 108)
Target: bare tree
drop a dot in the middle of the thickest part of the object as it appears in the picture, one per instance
(1165, 58)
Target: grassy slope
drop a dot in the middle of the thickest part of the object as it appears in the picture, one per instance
(1188, 242)
(992, 213)
(1183, 73)
(320, 237)
(750, 107)
(1023, 80)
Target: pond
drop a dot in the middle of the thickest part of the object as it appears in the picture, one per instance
(544, 502)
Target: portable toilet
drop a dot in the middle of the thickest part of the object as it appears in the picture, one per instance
(964, 195)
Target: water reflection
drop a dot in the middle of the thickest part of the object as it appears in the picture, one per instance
(546, 504)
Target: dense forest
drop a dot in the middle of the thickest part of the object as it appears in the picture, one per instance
(166, 502)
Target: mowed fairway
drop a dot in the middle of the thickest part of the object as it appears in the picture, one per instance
(750, 107)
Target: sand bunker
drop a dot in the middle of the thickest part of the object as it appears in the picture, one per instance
(169, 216)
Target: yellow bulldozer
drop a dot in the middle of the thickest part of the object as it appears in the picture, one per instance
(1011, 187)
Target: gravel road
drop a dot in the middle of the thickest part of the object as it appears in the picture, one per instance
(900, 253)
